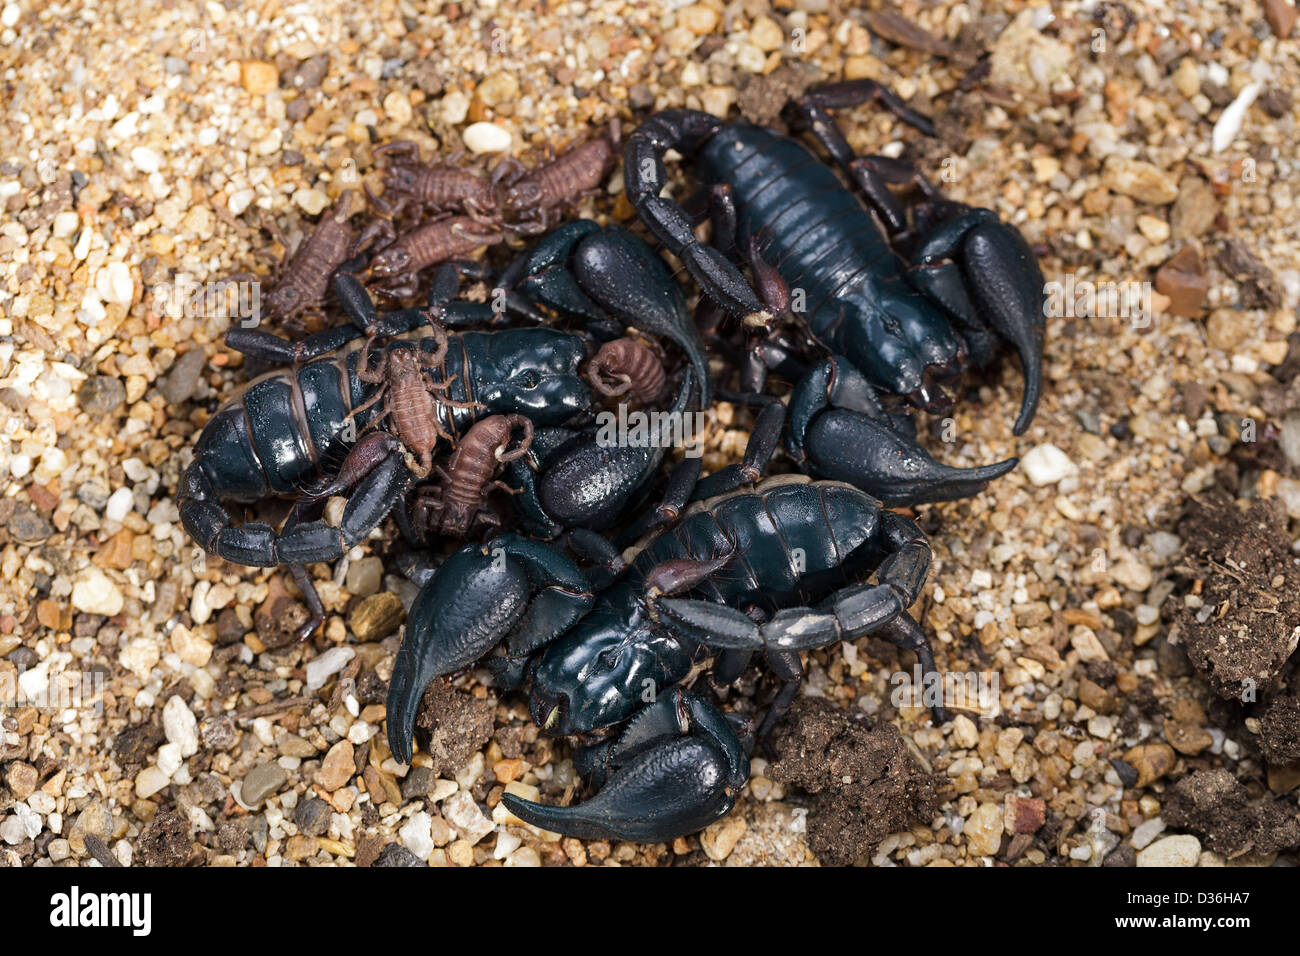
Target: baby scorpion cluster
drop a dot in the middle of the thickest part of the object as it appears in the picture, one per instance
(446, 402)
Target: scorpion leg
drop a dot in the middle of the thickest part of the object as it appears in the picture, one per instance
(839, 430)
(269, 347)
(763, 441)
(678, 767)
(645, 177)
(606, 559)
(509, 588)
(677, 494)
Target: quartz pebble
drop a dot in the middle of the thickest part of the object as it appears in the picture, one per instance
(1180, 850)
(1046, 464)
(483, 138)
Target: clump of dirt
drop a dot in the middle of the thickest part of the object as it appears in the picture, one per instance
(166, 841)
(762, 99)
(864, 782)
(1279, 730)
(280, 616)
(1240, 566)
(1214, 805)
(452, 725)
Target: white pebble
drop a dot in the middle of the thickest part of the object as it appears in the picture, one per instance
(180, 726)
(114, 284)
(324, 666)
(41, 802)
(1181, 850)
(464, 814)
(65, 224)
(240, 200)
(455, 107)
(487, 138)
(169, 759)
(1229, 124)
(416, 835)
(146, 160)
(119, 504)
(95, 593)
(135, 469)
(507, 843)
(1046, 464)
(310, 201)
(149, 781)
(1146, 831)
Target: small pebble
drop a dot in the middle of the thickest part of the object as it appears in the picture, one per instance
(261, 782)
(1046, 465)
(483, 138)
(1180, 850)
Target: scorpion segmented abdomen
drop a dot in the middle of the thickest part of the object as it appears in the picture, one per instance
(625, 365)
(484, 448)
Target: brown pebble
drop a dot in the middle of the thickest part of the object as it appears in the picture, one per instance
(1024, 814)
(338, 766)
(1187, 738)
(1184, 281)
(376, 617)
(258, 77)
(1151, 761)
(21, 779)
(1281, 17)
(117, 552)
(1192, 214)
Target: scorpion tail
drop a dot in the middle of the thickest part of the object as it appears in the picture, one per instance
(674, 783)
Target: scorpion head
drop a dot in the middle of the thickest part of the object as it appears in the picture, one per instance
(393, 261)
(283, 301)
(605, 669)
(531, 372)
(523, 195)
(401, 178)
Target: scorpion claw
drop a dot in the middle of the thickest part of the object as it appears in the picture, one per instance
(510, 588)
(1004, 289)
(678, 768)
(465, 608)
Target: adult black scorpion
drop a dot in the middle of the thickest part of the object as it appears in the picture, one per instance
(902, 311)
(774, 567)
(294, 432)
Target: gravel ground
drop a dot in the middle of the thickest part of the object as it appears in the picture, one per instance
(1114, 586)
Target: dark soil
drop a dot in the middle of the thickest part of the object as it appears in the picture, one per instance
(452, 725)
(1279, 730)
(1215, 806)
(1241, 565)
(863, 782)
(166, 841)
